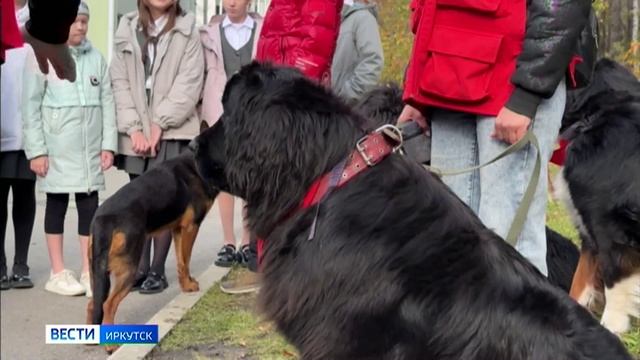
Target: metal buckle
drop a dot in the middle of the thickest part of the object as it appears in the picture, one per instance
(390, 131)
(362, 151)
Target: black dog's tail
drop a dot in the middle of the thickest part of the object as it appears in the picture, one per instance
(100, 282)
(562, 259)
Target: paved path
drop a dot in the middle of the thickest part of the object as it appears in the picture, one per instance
(24, 313)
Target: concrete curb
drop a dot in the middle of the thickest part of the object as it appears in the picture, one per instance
(171, 314)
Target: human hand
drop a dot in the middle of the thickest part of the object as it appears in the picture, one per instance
(140, 144)
(57, 54)
(40, 165)
(510, 126)
(106, 159)
(154, 141)
(411, 113)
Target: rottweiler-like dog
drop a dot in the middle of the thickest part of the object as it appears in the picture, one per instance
(391, 265)
(170, 196)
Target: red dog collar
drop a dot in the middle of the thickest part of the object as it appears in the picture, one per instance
(370, 150)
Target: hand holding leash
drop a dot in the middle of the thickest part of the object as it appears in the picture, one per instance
(510, 126)
(411, 113)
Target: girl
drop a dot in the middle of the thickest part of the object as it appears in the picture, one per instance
(157, 73)
(14, 166)
(230, 42)
(70, 137)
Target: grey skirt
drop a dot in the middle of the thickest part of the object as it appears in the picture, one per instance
(14, 165)
(137, 165)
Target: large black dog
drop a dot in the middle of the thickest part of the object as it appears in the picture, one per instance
(602, 171)
(397, 267)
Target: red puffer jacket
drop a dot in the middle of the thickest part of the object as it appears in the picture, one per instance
(301, 33)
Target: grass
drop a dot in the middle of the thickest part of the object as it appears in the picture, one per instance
(229, 321)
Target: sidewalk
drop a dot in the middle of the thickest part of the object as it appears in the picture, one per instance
(24, 313)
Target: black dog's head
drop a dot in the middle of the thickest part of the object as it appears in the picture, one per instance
(281, 131)
(381, 105)
(208, 149)
(612, 84)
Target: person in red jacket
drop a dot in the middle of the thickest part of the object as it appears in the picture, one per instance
(301, 34)
(483, 73)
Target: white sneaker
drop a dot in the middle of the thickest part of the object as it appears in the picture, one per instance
(64, 283)
(85, 281)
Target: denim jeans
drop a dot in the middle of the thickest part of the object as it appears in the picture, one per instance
(461, 140)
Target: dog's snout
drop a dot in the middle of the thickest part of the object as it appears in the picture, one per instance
(193, 145)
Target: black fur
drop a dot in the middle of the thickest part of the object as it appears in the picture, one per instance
(399, 268)
(602, 168)
(562, 259)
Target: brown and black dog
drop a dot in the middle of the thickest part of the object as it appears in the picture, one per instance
(171, 196)
(599, 183)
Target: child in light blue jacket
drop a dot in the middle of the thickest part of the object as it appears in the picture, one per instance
(70, 137)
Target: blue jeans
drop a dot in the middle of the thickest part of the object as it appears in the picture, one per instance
(461, 140)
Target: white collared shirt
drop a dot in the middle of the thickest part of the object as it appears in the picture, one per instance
(238, 35)
(158, 25)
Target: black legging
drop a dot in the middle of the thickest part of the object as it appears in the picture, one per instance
(161, 246)
(23, 214)
(56, 210)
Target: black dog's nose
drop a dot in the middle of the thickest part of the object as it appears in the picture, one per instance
(193, 145)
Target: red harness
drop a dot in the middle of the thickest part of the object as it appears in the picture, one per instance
(370, 150)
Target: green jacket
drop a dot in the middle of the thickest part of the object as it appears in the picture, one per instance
(71, 123)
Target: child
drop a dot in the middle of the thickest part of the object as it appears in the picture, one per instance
(157, 73)
(230, 42)
(14, 166)
(70, 138)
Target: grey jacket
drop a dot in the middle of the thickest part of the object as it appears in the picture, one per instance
(358, 60)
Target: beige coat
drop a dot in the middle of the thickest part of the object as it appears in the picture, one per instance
(216, 77)
(177, 79)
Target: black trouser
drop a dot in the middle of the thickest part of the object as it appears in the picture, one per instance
(161, 246)
(56, 210)
(23, 213)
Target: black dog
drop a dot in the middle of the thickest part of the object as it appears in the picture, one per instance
(171, 196)
(390, 266)
(383, 105)
(602, 172)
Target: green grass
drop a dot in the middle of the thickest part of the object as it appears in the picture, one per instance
(227, 320)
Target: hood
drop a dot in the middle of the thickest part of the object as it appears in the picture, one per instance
(83, 48)
(348, 10)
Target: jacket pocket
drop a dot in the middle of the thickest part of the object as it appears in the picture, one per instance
(53, 121)
(460, 64)
(485, 6)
